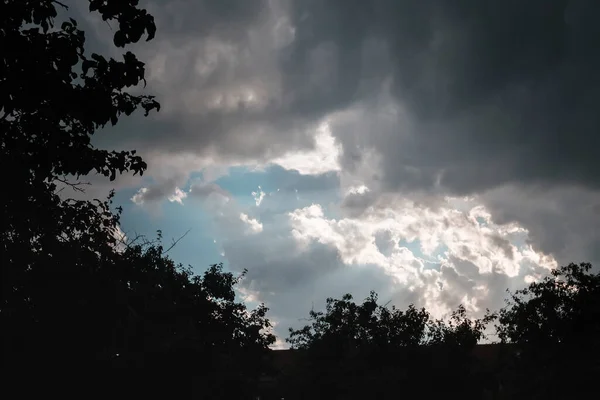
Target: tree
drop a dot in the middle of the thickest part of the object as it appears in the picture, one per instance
(452, 364)
(74, 298)
(375, 351)
(53, 97)
(346, 326)
(459, 330)
(555, 325)
(192, 324)
(352, 349)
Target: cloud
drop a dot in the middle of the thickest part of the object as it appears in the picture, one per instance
(291, 279)
(322, 159)
(562, 221)
(258, 196)
(220, 83)
(158, 192)
(486, 92)
(121, 238)
(407, 252)
(465, 97)
(288, 277)
(438, 153)
(444, 256)
(168, 189)
(178, 196)
(203, 190)
(253, 224)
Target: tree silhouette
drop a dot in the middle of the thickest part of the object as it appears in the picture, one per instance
(345, 326)
(75, 297)
(53, 97)
(356, 350)
(555, 325)
(192, 324)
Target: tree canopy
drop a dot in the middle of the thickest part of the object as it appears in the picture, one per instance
(555, 325)
(356, 350)
(346, 325)
(74, 294)
(54, 96)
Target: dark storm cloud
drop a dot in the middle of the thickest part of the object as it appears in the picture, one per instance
(464, 96)
(206, 17)
(213, 67)
(561, 221)
(495, 91)
(489, 92)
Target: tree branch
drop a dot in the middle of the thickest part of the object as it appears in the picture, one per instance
(176, 241)
(75, 186)
(66, 7)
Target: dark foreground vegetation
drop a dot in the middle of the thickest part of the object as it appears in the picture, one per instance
(547, 347)
(83, 312)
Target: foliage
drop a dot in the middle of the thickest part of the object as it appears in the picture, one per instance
(555, 324)
(348, 326)
(370, 350)
(345, 326)
(74, 296)
(191, 323)
(459, 330)
(562, 308)
(52, 99)
(54, 96)
(176, 309)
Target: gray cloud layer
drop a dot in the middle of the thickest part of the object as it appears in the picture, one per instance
(485, 92)
(486, 97)
(491, 98)
(491, 92)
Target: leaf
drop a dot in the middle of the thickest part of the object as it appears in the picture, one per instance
(119, 39)
(67, 284)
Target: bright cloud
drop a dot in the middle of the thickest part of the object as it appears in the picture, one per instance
(434, 251)
(178, 196)
(258, 196)
(253, 224)
(323, 158)
(138, 198)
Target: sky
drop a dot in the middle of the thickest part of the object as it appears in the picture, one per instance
(436, 152)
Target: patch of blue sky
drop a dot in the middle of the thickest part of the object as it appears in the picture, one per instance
(481, 221)
(197, 248)
(285, 190)
(242, 181)
(414, 247)
(439, 251)
(431, 260)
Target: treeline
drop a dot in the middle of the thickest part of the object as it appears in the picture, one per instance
(83, 308)
(547, 339)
